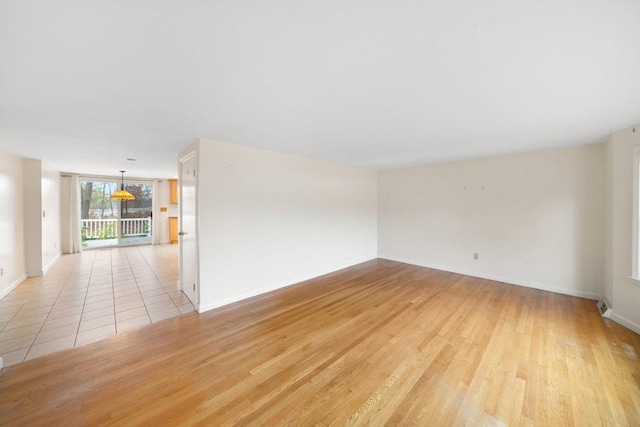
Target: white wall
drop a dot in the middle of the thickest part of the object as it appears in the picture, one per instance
(65, 213)
(12, 243)
(29, 217)
(622, 291)
(51, 195)
(41, 216)
(535, 219)
(268, 220)
(32, 178)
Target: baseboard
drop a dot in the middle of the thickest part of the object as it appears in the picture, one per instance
(201, 308)
(221, 303)
(509, 280)
(36, 273)
(55, 259)
(625, 322)
(12, 286)
(246, 295)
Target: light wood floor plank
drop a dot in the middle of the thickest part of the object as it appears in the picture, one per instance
(381, 343)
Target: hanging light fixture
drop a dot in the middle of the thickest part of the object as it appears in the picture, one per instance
(122, 194)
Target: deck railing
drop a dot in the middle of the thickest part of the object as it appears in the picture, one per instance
(108, 228)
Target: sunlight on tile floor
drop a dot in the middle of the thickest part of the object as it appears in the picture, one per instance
(89, 296)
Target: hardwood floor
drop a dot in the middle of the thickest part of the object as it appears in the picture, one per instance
(382, 343)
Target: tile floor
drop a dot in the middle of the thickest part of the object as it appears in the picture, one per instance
(89, 296)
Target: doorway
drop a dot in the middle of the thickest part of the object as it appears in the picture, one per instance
(105, 222)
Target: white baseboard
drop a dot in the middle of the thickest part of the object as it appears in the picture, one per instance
(246, 295)
(12, 286)
(201, 308)
(236, 298)
(625, 322)
(509, 280)
(55, 259)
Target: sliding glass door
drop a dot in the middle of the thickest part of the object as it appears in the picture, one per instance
(105, 222)
(135, 215)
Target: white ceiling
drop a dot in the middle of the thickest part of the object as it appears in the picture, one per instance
(84, 85)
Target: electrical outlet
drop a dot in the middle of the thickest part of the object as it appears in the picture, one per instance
(476, 256)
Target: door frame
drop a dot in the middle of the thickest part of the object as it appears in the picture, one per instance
(191, 154)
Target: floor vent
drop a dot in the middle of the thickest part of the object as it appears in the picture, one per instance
(604, 308)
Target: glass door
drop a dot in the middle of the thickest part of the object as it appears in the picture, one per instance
(105, 222)
(135, 215)
(98, 213)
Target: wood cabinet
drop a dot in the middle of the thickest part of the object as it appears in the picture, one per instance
(173, 190)
(173, 229)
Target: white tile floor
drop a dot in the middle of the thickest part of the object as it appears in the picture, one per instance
(89, 296)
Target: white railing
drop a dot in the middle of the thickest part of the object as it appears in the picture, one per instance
(108, 228)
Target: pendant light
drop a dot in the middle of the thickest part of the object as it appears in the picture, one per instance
(122, 194)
